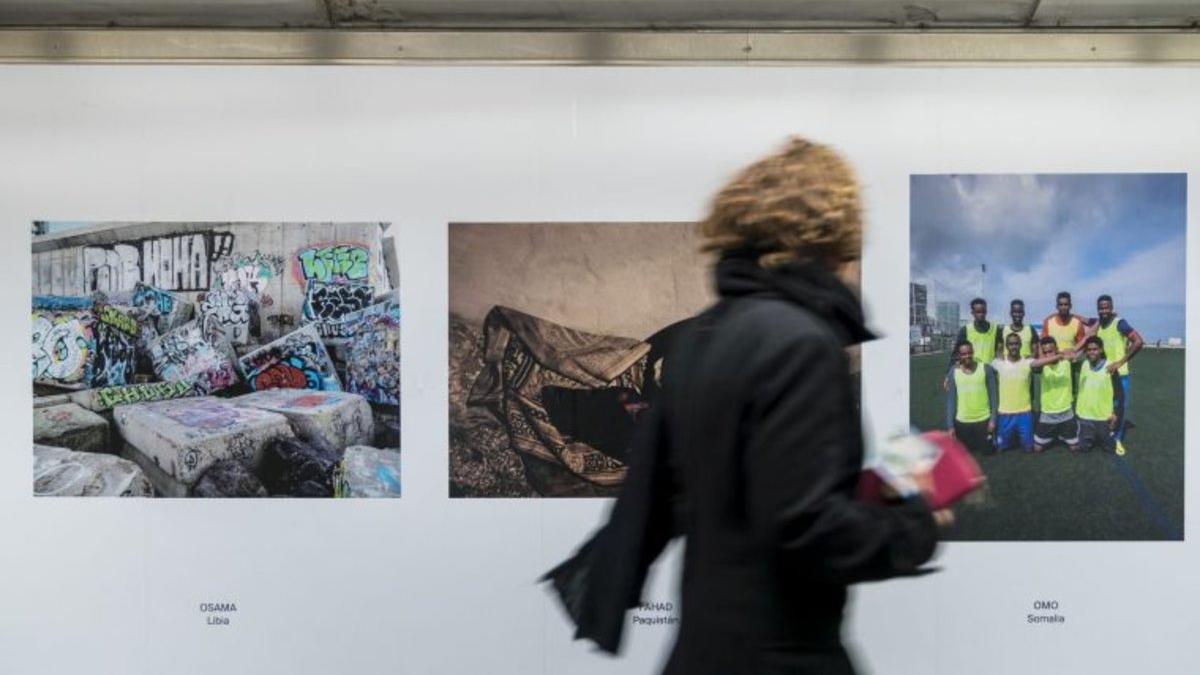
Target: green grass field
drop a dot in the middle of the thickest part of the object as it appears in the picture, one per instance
(1060, 496)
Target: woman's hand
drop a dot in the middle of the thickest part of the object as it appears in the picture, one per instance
(944, 518)
(924, 482)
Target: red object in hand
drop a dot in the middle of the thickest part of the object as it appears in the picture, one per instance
(954, 474)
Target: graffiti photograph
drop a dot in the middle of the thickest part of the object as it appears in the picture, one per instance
(1047, 332)
(178, 359)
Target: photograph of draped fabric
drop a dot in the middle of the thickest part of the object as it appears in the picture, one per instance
(557, 337)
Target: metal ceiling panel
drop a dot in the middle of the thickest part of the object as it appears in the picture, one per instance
(1118, 13)
(602, 14)
(160, 13)
(627, 14)
(574, 47)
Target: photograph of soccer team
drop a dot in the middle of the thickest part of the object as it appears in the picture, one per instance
(1064, 377)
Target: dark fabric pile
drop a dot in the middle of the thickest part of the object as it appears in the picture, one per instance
(602, 418)
(289, 468)
(298, 469)
(229, 478)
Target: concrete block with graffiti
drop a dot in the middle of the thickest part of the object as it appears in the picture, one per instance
(93, 346)
(70, 426)
(373, 354)
(330, 306)
(114, 356)
(227, 315)
(333, 419)
(60, 472)
(369, 473)
(163, 309)
(349, 325)
(337, 283)
(297, 360)
(185, 354)
(63, 343)
(107, 398)
(176, 441)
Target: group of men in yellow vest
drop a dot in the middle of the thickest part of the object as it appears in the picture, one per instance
(1009, 386)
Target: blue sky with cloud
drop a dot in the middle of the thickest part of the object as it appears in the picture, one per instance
(1120, 234)
(56, 226)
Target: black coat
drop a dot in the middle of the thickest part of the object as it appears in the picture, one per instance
(752, 452)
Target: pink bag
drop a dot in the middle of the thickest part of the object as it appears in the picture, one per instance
(955, 473)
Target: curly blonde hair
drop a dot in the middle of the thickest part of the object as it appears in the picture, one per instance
(801, 203)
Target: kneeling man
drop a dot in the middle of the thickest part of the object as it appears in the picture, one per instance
(1057, 419)
(1100, 396)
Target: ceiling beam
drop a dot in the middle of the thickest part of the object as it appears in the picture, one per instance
(598, 47)
(1033, 10)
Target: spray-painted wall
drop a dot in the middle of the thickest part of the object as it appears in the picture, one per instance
(251, 281)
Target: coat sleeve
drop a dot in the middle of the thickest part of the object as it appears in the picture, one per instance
(801, 427)
(605, 576)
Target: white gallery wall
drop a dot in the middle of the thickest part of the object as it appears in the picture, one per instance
(426, 584)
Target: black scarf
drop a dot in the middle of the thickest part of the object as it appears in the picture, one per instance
(808, 284)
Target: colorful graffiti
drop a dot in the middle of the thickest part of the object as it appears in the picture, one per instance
(333, 262)
(349, 325)
(328, 305)
(205, 414)
(109, 397)
(147, 334)
(152, 306)
(373, 356)
(61, 302)
(226, 314)
(312, 401)
(231, 308)
(113, 359)
(181, 262)
(184, 354)
(119, 320)
(62, 347)
(285, 398)
(390, 305)
(297, 360)
(246, 272)
(287, 373)
(154, 300)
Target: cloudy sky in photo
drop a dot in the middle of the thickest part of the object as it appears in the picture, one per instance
(1089, 234)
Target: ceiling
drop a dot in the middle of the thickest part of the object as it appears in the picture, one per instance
(602, 14)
